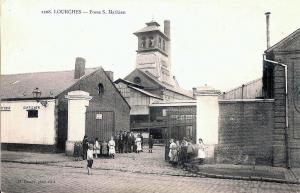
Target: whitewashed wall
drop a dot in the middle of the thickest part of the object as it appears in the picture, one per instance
(207, 119)
(16, 127)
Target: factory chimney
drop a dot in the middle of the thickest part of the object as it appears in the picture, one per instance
(167, 28)
(79, 67)
(267, 28)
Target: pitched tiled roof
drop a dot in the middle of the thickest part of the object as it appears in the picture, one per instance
(284, 40)
(50, 84)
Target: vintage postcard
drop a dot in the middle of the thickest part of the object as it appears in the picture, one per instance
(150, 96)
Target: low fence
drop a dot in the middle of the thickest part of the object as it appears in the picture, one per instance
(250, 90)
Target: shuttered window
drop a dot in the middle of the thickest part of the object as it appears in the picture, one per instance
(33, 113)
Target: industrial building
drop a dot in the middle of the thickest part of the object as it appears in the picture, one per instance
(159, 106)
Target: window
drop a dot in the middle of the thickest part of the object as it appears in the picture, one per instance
(137, 80)
(164, 112)
(143, 42)
(33, 113)
(189, 131)
(159, 42)
(100, 89)
(151, 42)
(164, 45)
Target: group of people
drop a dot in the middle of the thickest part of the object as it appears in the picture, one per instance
(185, 151)
(127, 142)
(98, 148)
(124, 142)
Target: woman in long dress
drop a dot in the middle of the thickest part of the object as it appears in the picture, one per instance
(111, 148)
(201, 151)
(173, 152)
(96, 148)
(138, 142)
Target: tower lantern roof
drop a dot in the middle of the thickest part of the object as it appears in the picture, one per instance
(152, 26)
(152, 23)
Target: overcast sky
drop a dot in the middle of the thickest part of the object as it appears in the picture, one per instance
(213, 42)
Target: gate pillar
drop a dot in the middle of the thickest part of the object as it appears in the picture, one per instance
(207, 117)
(77, 102)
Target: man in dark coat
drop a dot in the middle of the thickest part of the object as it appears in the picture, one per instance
(142, 138)
(116, 137)
(150, 143)
(85, 146)
(125, 138)
(120, 142)
(131, 142)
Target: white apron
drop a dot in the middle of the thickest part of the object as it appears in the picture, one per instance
(111, 147)
(201, 151)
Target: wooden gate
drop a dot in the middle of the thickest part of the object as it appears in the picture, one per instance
(100, 124)
(62, 130)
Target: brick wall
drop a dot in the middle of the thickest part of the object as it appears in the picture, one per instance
(279, 117)
(245, 131)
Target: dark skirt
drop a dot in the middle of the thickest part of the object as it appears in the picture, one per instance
(89, 163)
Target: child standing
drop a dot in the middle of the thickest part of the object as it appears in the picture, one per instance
(111, 148)
(201, 151)
(89, 158)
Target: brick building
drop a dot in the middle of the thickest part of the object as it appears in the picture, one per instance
(41, 122)
(260, 121)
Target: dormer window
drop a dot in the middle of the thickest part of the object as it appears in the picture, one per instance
(137, 80)
(100, 89)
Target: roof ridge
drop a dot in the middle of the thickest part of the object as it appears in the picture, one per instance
(145, 92)
(45, 72)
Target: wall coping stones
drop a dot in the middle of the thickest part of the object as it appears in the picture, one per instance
(248, 100)
(206, 91)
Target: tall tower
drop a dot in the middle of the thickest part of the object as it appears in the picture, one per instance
(153, 53)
